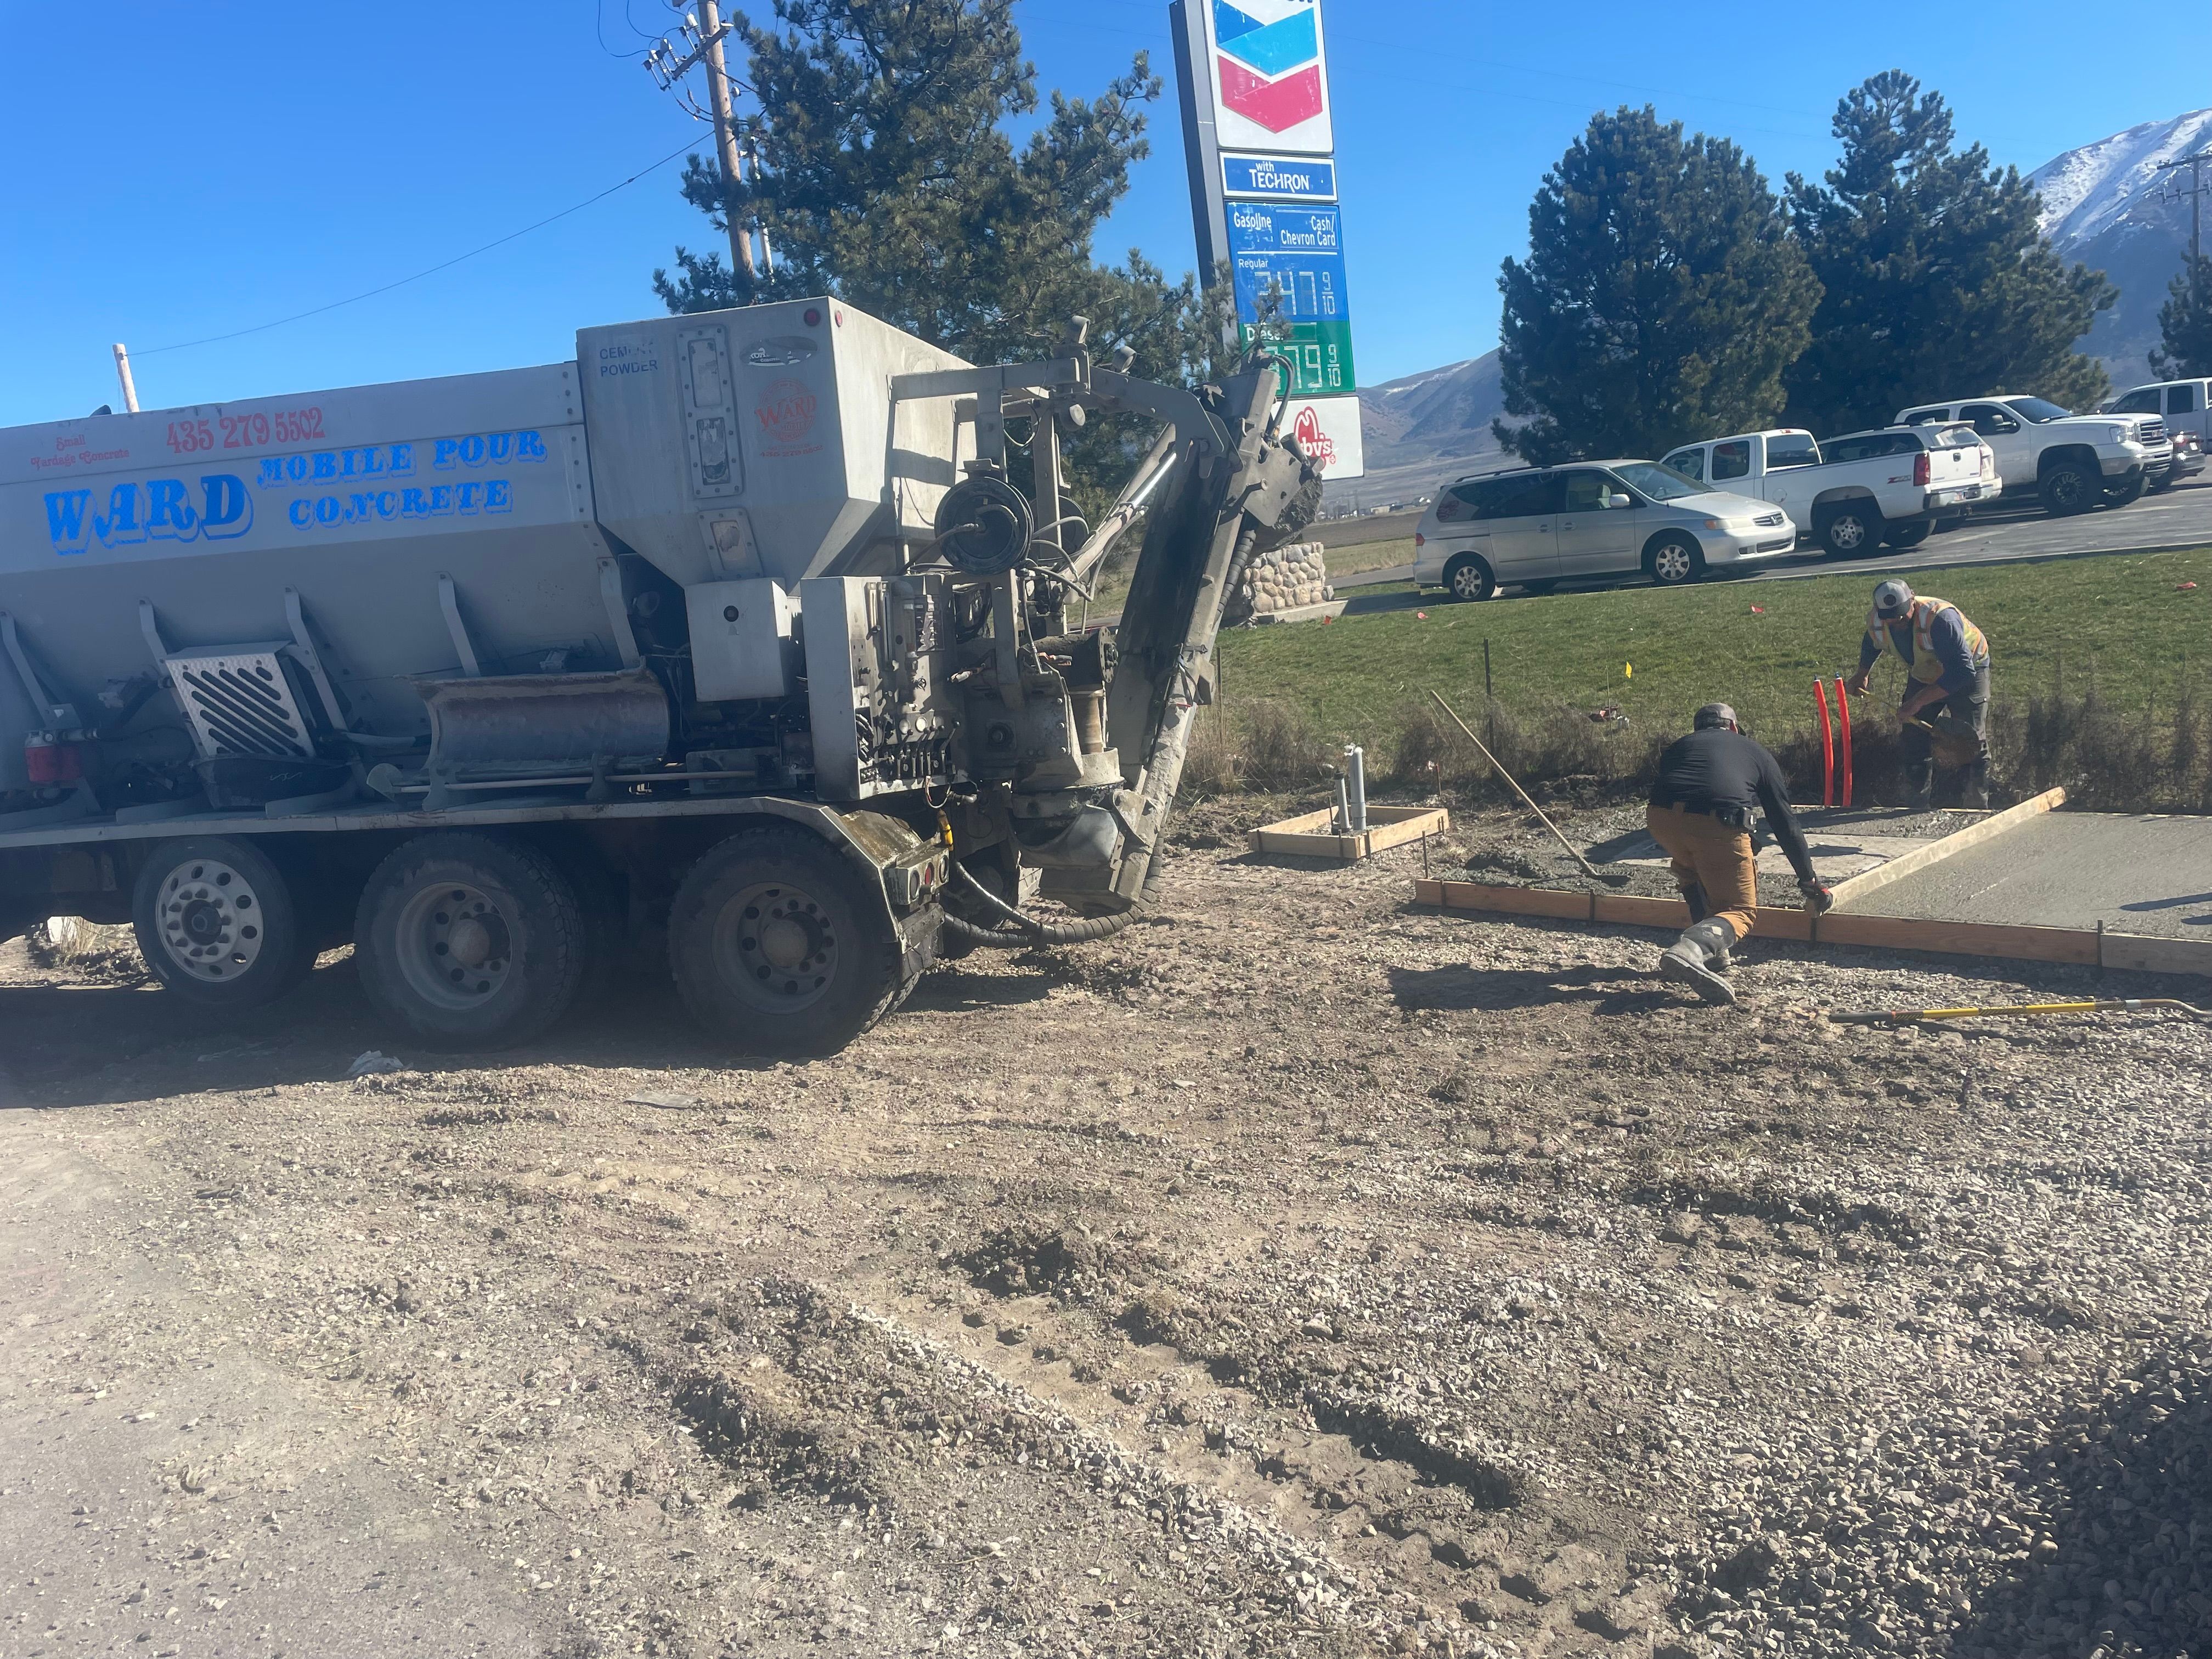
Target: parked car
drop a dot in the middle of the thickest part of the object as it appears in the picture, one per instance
(2074, 462)
(2181, 405)
(1853, 493)
(1533, 527)
(2187, 461)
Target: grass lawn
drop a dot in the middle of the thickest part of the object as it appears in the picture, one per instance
(2122, 620)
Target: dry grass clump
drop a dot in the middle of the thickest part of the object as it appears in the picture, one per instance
(2109, 759)
(85, 949)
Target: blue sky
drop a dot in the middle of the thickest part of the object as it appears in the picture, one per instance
(232, 163)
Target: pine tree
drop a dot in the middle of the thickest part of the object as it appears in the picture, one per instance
(892, 182)
(2185, 326)
(1937, 282)
(1661, 300)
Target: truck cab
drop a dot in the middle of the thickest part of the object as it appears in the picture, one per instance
(2182, 405)
(1856, 492)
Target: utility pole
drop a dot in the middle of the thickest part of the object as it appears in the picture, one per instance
(2195, 194)
(123, 375)
(725, 134)
(669, 69)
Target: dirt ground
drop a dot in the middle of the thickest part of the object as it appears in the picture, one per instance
(1297, 1273)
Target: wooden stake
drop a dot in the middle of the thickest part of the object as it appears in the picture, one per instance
(1523, 793)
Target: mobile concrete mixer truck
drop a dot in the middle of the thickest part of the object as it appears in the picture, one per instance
(746, 637)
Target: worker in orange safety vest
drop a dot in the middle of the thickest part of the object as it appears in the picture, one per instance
(1948, 662)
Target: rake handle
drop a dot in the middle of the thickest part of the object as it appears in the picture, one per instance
(1518, 790)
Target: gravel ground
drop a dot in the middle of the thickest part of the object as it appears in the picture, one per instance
(1301, 1273)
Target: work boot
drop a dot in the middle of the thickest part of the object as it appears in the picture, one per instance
(1700, 907)
(1700, 957)
(1975, 790)
(1920, 785)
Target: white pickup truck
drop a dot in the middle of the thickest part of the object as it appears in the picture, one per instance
(2073, 462)
(1853, 493)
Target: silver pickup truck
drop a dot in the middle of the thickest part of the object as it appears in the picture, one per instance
(1854, 493)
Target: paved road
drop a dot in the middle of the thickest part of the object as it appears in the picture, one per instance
(2180, 518)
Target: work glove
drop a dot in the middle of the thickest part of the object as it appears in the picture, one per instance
(1818, 898)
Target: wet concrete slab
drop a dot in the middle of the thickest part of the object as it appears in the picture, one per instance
(1845, 841)
(2136, 874)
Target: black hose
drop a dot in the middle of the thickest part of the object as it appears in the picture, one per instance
(960, 926)
(1033, 931)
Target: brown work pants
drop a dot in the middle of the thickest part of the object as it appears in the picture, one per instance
(1713, 855)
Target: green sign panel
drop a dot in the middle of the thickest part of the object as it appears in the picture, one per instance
(1320, 353)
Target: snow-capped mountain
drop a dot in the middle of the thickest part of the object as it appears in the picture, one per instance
(1423, 427)
(2108, 205)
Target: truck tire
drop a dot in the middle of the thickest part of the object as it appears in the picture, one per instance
(1850, 530)
(778, 947)
(2128, 493)
(218, 925)
(2068, 488)
(1673, 560)
(1904, 536)
(1469, 579)
(469, 941)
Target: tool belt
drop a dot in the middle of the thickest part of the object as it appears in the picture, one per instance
(1735, 817)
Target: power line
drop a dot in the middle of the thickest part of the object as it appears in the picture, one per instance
(448, 265)
(599, 28)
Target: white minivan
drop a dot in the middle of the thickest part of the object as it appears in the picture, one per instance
(1534, 526)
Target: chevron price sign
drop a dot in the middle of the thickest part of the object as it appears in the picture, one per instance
(1260, 143)
(1270, 77)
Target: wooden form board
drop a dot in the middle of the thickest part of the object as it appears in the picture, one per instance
(1958, 840)
(2080, 945)
(1308, 835)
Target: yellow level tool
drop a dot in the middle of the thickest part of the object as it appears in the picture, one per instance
(2023, 1010)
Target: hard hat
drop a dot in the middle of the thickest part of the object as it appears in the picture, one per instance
(1714, 715)
(1891, 598)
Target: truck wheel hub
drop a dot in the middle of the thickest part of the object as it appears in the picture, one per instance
(210, 920)
(777, 947)
(454, 946)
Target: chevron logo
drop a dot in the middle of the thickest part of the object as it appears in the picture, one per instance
(1270, 67)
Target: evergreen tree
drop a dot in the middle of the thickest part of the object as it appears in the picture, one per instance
(1936, 280)
(2184, 326)
(890, 181)
(1661, 300)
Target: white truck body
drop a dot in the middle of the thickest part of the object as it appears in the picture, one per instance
(2179, 404)
(1894, 482)
(2074, 462)
(2182, 405)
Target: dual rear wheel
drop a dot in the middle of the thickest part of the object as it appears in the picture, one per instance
(471, 942)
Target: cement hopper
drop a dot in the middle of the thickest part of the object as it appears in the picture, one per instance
(761, 441)
(345, 545)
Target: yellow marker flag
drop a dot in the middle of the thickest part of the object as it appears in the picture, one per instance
(1628, 671)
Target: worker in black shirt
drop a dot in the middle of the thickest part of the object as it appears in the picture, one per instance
(1710, 783)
